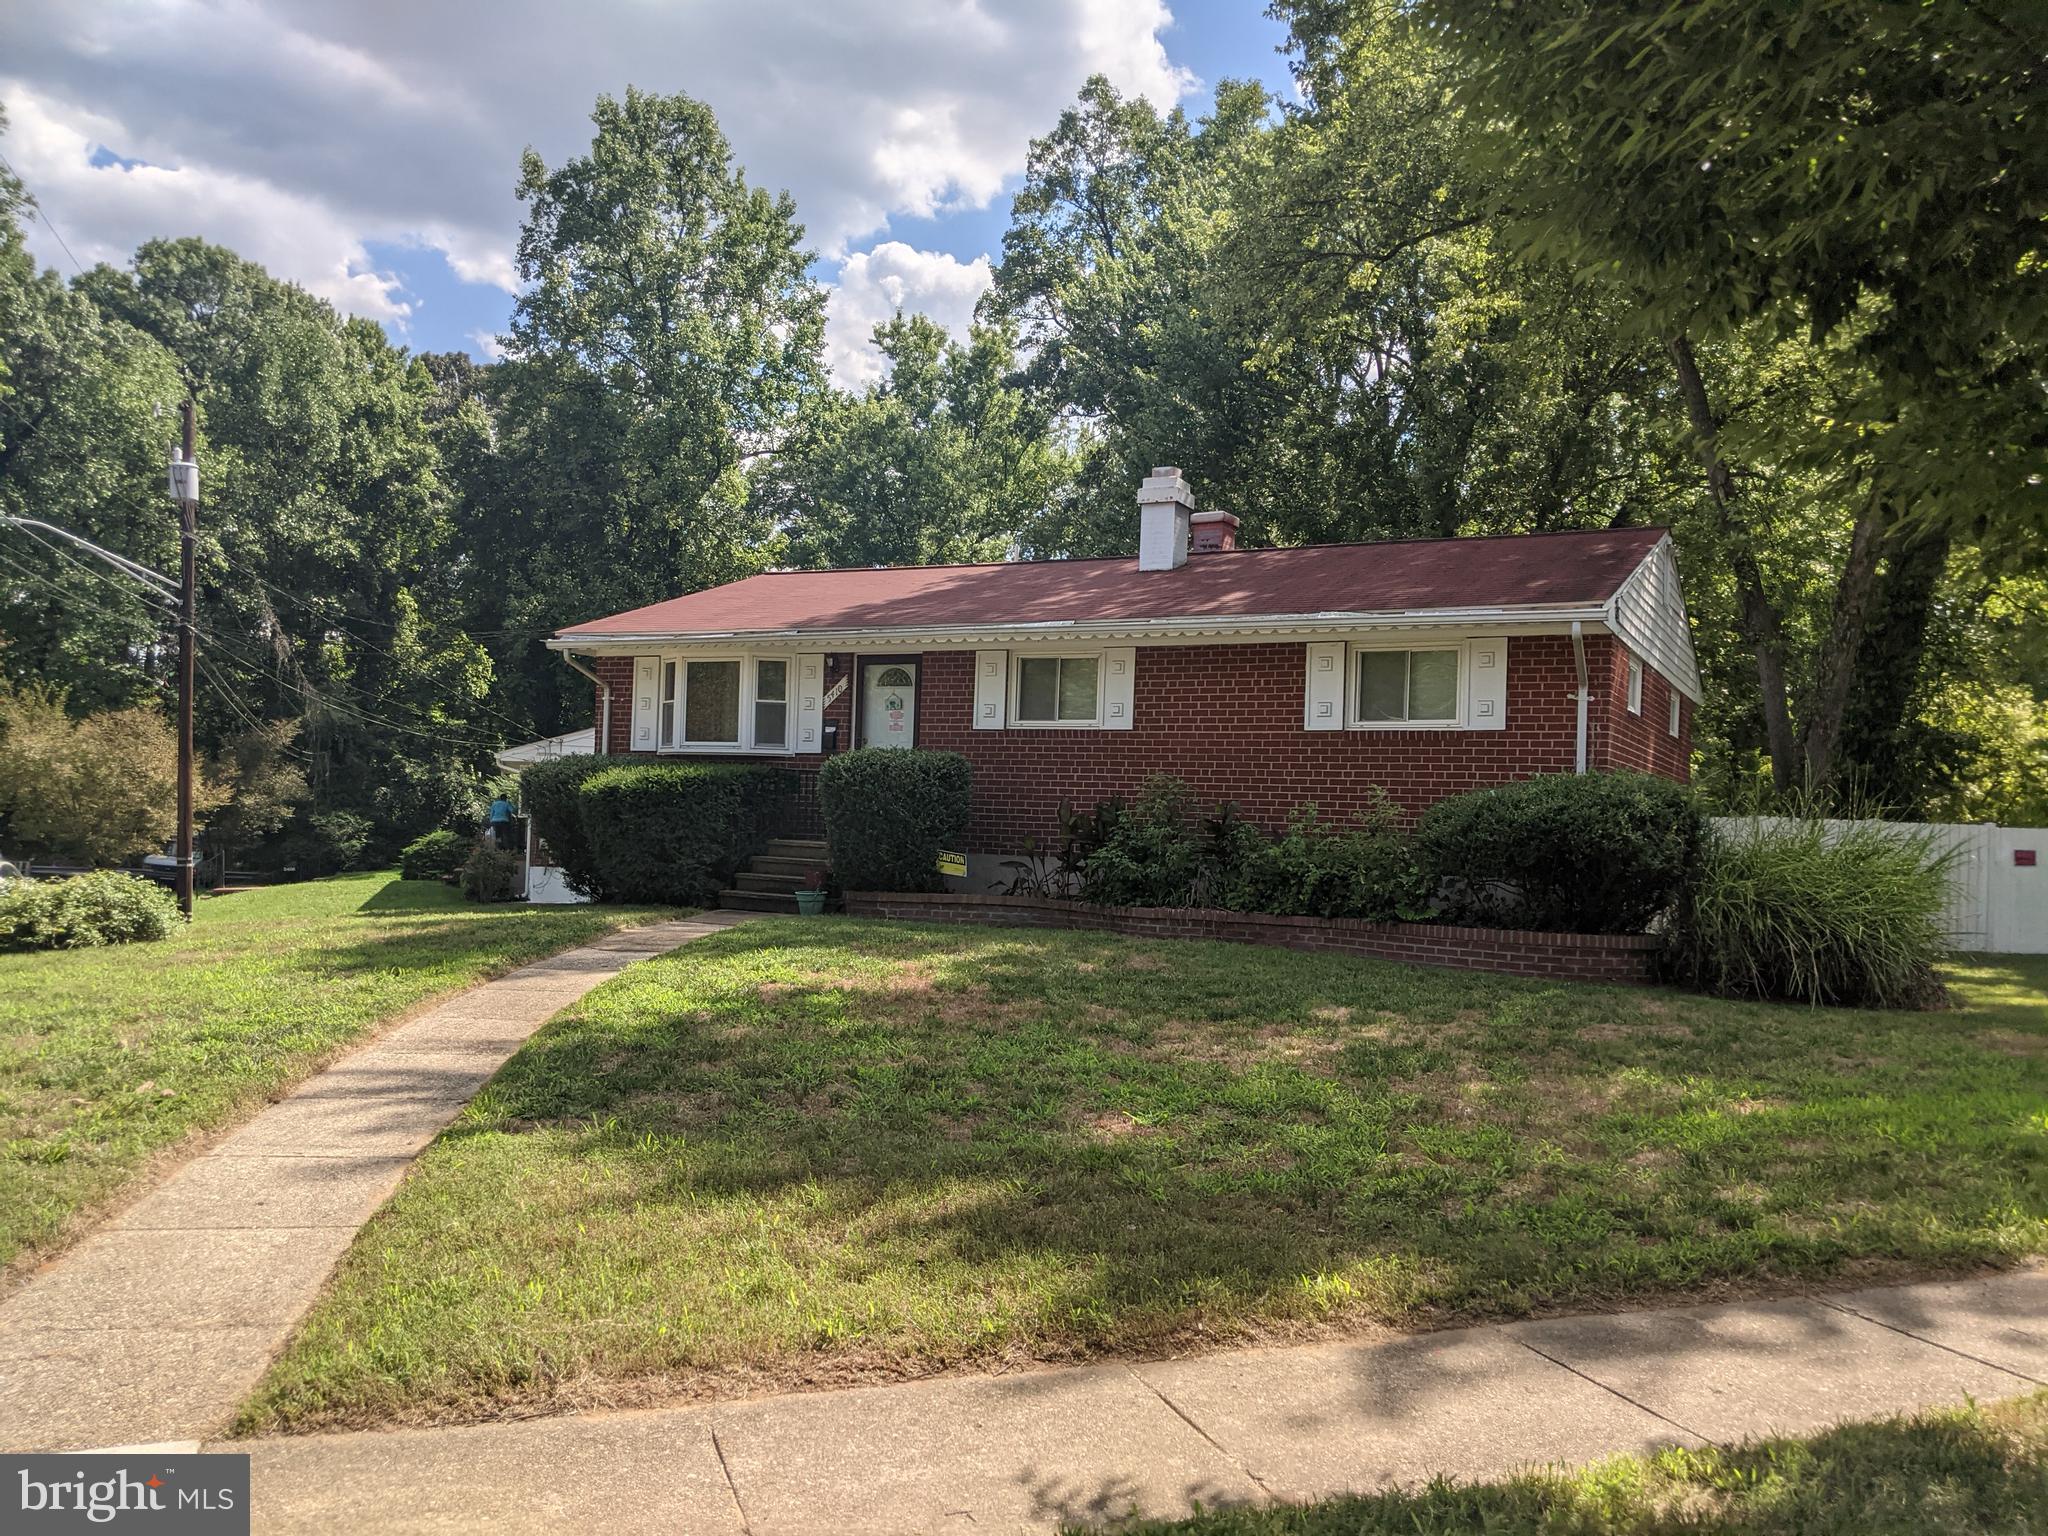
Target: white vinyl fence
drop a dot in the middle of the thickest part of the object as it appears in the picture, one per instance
(1998, 881)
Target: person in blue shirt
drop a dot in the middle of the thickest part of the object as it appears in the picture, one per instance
(501, 824)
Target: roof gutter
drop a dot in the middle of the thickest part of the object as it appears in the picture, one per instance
(1278, 626)
(604, 689)
(1579, 656)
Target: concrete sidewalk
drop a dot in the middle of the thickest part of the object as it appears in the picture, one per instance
(1028, 1451)
(159, 1324)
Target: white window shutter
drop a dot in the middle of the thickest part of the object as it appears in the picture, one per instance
(1487, 669)
(1119, 687)
(646, 707)
(810, 703)
(991, 686)
(1323, 698)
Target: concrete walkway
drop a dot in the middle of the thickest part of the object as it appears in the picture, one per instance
(1028, 1451)
(156, 1327)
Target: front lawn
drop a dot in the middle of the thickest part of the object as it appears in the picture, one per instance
(828, 1151)
(1956, 1472)
(109, 1056)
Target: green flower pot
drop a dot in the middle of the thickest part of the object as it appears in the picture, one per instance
(810, 903)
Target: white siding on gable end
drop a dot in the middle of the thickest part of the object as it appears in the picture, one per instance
(1648, 613)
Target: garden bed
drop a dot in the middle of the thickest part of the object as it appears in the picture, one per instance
(1620, 957)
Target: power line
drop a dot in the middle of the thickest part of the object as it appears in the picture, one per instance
(41, 212)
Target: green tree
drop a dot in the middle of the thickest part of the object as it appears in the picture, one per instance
(941, 460)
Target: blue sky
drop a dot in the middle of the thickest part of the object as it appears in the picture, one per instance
(369, 150)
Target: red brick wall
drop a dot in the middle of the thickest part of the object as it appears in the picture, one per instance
(1511, 951)
(1643, 741)
(1227, 719)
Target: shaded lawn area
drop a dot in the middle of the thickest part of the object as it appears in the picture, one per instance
(1973, 1469)
(813, 1152)
(109, 1055)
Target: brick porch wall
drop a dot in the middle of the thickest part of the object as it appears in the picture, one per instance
(1628, 958)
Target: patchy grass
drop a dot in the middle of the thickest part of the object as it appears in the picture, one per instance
(824, 1151)
(1973, 1470)
(109, 1056)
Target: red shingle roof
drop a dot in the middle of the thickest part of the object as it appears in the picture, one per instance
(1577, 569)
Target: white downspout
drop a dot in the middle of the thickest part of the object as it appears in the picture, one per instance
(1579, 655)
(604, 720)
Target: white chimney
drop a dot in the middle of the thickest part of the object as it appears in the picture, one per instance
(1164, 502)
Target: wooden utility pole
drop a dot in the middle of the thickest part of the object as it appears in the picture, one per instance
(186, 488)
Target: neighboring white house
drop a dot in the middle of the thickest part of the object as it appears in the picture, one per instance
(542, 882)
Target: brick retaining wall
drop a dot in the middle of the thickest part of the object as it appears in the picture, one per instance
(1512, 951)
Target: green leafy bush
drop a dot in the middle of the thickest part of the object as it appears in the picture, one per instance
(1152, 852)
(1315, 869)
(1593, 853)
(889, 812)
(676, 832)
(1800, 909)
(434, 855)
(552, 793)
(489, 874)
(84, 912)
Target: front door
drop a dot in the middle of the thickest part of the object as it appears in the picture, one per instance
(888, 708)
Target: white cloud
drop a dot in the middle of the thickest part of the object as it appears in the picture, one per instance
(299, 130)
(874, 285)
(108, 210)
(486, 342)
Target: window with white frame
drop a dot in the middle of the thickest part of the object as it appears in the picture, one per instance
(1635, 686)
(1673, 702)
(1402, 688)
(1057, 690)
(725, 703)
(771, 702)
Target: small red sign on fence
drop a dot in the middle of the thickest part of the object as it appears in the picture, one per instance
(2024, 857)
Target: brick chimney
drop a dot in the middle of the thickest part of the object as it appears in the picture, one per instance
(1212, 532)
(1164, 502)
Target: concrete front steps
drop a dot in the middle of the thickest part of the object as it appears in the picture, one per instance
(771, 881)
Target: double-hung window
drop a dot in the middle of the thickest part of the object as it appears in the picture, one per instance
(1418, 687)
(1058, 690)
(771, 703)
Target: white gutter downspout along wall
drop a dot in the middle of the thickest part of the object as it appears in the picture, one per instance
(1579, 656)
(604, 722)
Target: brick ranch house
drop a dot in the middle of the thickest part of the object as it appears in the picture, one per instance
(1264, 676)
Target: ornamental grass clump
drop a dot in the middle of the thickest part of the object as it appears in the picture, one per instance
(1817, 912)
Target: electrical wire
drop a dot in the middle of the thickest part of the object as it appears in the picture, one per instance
(41, 213)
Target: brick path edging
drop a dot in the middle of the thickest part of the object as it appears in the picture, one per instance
(1616, 957)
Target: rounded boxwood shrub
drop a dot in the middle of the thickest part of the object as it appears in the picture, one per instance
(889, 812)
(1817, 913)
(552, 793)
(1571, 853)
(676, 832)
(84, 912)
(434, 855)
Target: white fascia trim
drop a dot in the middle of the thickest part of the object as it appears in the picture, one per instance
(1534, 619)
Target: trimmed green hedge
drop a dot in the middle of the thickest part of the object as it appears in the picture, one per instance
(677, 832)
(889, 812)
(553, 795)
(435, 855)
(84, 912)
(1569, 853)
